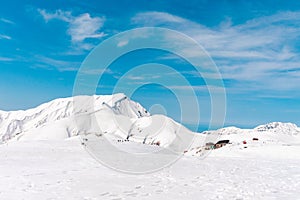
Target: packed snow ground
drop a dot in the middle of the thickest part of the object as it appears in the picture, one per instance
(42, 156)
(64, 170)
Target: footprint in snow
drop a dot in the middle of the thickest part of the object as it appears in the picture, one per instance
(129, 191)
(159, 191)
(134, 194)
(139, 187)
(104, 194)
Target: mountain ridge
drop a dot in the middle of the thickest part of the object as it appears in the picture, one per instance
(122, 119)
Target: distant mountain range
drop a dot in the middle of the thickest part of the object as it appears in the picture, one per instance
(125, 120)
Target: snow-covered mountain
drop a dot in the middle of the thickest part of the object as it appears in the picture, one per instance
(41, 158)
(59, 115)
(265, 140)
(122, 119)
(279, 127)
(115, 116)
(38, 161)
(273, 127)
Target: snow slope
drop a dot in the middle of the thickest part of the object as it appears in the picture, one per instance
(33, 170)
(272, 133)
(260, 139)
(42, 156)
(121, 119)
(59, 115)
(114, 116)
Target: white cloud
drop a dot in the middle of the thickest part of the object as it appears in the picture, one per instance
(255, 38)
(258, 53)
(197, 88)
(80, 27)
(50, 63)
(5, 59)
(5, 37)
(122, 43)
(131, 77)
(98, 71)
(58, 14)
(7, 21)
(155, 18)
(84, 26)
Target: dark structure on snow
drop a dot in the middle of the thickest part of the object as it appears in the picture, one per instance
(221, 143)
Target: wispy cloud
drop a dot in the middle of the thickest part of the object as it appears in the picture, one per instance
(156, 18)
(50, 63)
(80, 27)
(197, 88)
(135, 77)
(6, 59)
(5, 37)
(261, 52)
(84, 26)
(240, 41)
(122, 43)
(7, 21)
(58, 14)
(98, 71)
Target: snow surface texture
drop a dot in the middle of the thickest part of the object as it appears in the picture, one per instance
(42, 156)
(33, 170)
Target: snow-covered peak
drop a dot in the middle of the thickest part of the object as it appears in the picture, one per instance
(229, 130)
(279, 127)
(273, 127)
(16, 122)
(121, 119)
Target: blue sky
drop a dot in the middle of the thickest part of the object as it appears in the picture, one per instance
(255, 45)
